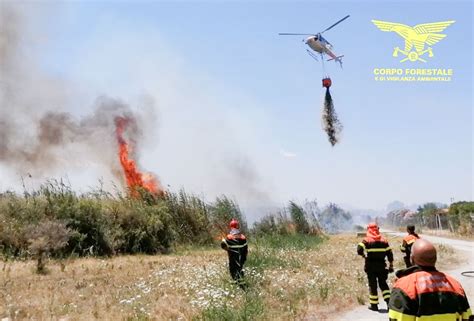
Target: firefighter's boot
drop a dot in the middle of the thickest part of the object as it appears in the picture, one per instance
(374, 307)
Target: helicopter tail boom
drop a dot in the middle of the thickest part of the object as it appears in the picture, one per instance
(337, 59)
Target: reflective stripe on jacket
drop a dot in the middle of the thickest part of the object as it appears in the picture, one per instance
(376, 251)
(425, 294)
(236, 246)
(407, 243)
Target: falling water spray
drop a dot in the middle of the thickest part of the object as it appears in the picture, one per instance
(331, 124)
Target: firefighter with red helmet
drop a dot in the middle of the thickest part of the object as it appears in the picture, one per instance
(377, 249)
(235, 243)
(424, 293)
(407, 244)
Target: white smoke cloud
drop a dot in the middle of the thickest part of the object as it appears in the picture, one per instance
(40, 138)
(208, 139)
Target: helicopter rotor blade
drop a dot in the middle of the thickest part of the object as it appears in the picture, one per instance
(336, 23)
(296, 34)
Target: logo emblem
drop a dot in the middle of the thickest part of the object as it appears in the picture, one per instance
(415, 37)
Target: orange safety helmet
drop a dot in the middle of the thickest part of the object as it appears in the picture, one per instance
(373, 232)
(234, 223)
(372, 225)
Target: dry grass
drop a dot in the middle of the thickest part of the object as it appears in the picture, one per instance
(346, 277)
(449, 234)
(441, 233)
(135, 287)
(292, 284)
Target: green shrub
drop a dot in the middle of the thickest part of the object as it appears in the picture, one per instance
(273, 224)
(99, 223)
(45, 238)
(460, 217)
(104, 224)
(86, 217)
(301, 221)
(189, 217)
(222, 211)
(334, 219)
(140, 228)
(298, 217)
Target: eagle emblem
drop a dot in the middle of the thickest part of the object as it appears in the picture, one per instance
(415, 37)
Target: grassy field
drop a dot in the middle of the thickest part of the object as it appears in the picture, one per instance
(291, 277)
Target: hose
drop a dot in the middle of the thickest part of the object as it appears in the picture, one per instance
(469, 274)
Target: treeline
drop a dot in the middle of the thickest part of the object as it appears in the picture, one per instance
(305, 219)
(458, 217)
(56, 221)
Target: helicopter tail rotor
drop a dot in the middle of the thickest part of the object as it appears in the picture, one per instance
(337, 59)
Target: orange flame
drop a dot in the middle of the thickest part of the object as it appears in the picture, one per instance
(134, 178)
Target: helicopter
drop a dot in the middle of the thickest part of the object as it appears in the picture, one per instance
(319, 44)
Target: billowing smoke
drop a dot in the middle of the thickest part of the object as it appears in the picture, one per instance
(245, 176)
(42, 145)
(48, 130)
(37, 134)
(331, 124)
(334, 219)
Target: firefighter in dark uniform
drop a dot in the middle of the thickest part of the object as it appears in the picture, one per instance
(374, 248)
(407, 243)
(235, 243)
(423, 293)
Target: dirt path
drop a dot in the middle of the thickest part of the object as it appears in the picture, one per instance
(466, 247)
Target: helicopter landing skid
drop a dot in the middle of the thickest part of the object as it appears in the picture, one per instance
(313, 55)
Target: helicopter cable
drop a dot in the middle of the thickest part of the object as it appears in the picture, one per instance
(323, 66)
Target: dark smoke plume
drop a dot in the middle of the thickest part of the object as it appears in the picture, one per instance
(37, 133)
(331, 124)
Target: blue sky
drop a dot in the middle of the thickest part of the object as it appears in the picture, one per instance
(229, 89)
